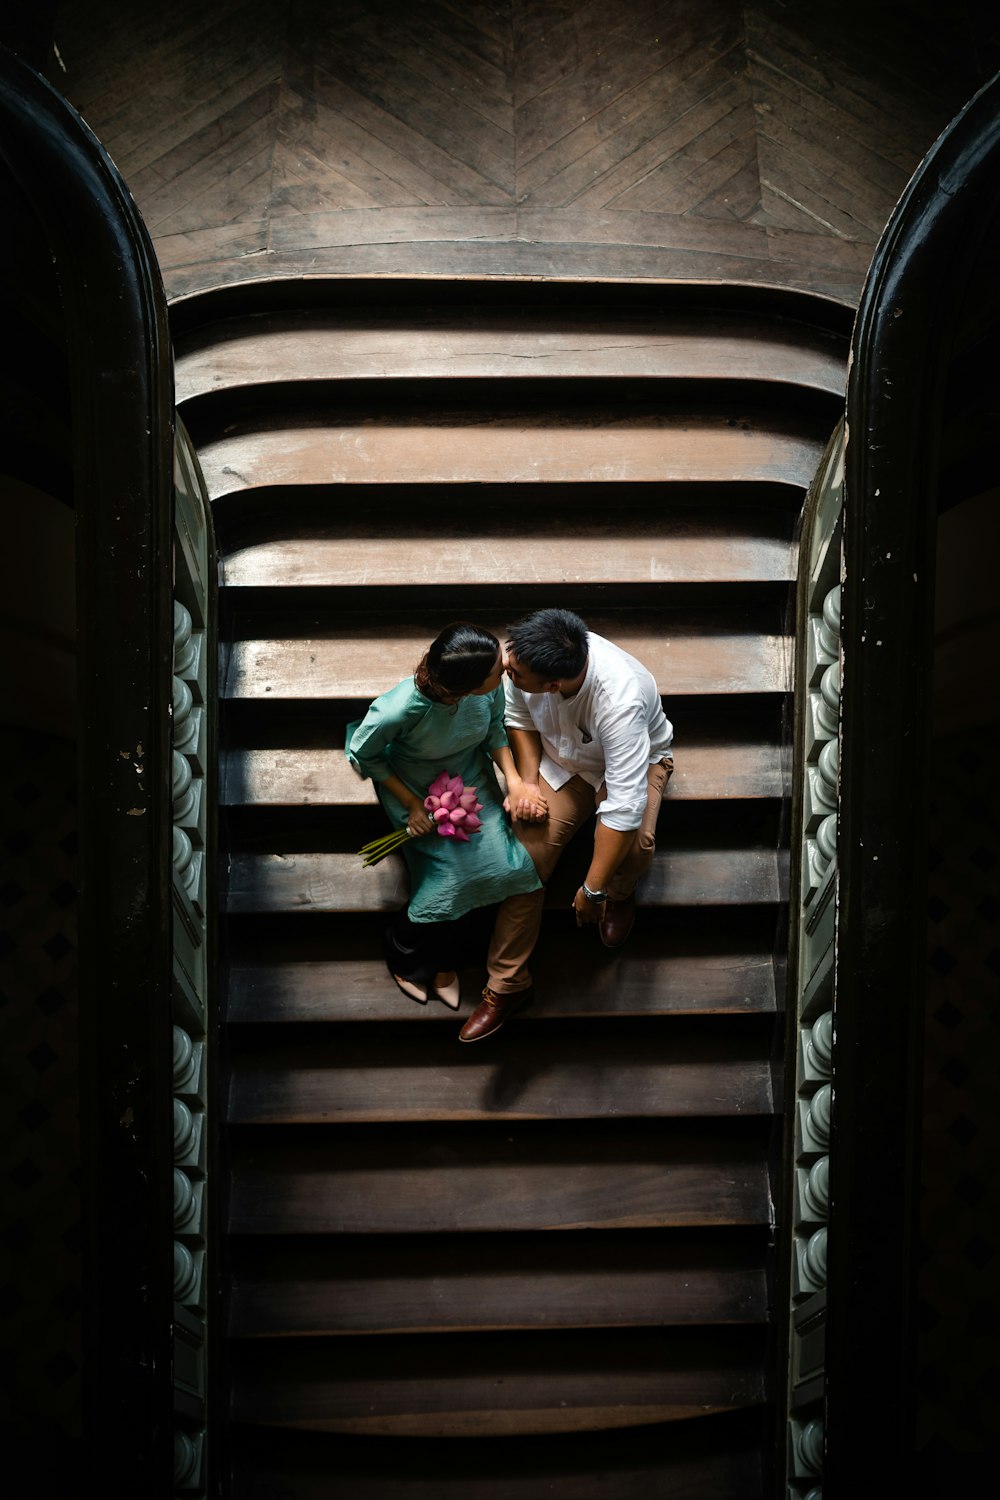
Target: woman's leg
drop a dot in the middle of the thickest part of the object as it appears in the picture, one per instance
(411, 951)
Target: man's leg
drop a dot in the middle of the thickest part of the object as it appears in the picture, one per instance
(519, 918)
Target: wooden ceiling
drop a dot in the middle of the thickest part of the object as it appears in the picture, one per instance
(676, 139)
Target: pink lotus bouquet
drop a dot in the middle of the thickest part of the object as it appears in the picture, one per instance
(453, 807)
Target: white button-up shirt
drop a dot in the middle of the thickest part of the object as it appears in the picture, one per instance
(611, 730)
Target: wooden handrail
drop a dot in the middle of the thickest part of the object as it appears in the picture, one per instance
(113, 313)
(851, 1344)
(925, 267)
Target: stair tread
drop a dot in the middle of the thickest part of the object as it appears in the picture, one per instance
(570, 981)
(319, 881)
(542, 1383)
(562, 547)
(281, 1290)
(314, 777)
(714, 1457)
(422, 1181)
(317, 345)
(433, 447)
(707, 656)
(427, 1076)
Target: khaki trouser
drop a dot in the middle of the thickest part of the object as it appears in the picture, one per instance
(519, 918)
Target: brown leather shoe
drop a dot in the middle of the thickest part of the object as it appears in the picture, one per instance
(491, 1013)
(616, 924)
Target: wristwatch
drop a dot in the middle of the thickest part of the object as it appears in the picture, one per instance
(595, 896)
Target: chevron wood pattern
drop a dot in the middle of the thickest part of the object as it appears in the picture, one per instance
(677, 139)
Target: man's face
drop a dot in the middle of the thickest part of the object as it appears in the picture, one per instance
(524, 678)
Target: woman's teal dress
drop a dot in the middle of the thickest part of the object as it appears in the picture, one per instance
(405, 734)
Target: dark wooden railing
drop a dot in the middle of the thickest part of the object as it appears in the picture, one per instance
(925, 318)
(142, 1062)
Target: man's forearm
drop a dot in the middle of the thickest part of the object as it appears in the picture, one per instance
(610, 848)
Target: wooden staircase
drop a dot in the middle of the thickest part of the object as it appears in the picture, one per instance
(539, 1266)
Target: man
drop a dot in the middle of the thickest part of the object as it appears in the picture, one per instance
(588, 732)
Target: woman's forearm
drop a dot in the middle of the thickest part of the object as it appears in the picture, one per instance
(418, 821)
(402, 793)
(526, 745)
(505, 760)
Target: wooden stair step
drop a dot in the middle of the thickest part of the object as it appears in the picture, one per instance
(715, 1457)
(451, 1388)
(284, 1290)
(279, 512)
(363, 659)
(320, 882)
(667, 1073)
(311, 777)
(639, 979)
(524, 1177)
(312, 345)
(560, 547)
(532, 446)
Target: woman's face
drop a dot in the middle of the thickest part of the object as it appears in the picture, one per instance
(493, 681)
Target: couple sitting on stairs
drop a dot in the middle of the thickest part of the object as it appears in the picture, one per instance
(575, 725)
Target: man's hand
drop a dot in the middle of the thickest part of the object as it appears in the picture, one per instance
(588, 912)
(524, 801)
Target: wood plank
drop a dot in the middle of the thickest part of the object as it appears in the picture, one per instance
(676, 147)
(278, 1290)
(300, 777)
(636, 1075)
(685, 194)
(819, 119)
(588, 166)
(318, 345)
(723, 659)
(775, 49)
(407, 154)
(706, 1459)
(487, 1386)
(565, 547)
(642, 979)
(580, 255)
(613, 88)
(322, 882)
(202, 165)
(442, 59)
(308, 129)
(533, 447)
(522, 1177)
(157, 144)
(303, 181)
(366, 61)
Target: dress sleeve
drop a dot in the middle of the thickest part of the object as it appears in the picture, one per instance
(366, 742)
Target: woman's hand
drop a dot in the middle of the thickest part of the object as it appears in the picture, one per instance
(524, 801)
(418, 822)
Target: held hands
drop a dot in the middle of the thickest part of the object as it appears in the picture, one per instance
(587, 912)
(525, 802)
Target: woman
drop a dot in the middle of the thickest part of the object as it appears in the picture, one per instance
(447, 717)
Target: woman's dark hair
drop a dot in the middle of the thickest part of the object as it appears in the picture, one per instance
(551, 642)
(457, 661)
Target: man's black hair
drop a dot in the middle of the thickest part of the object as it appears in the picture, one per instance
(551, 642)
